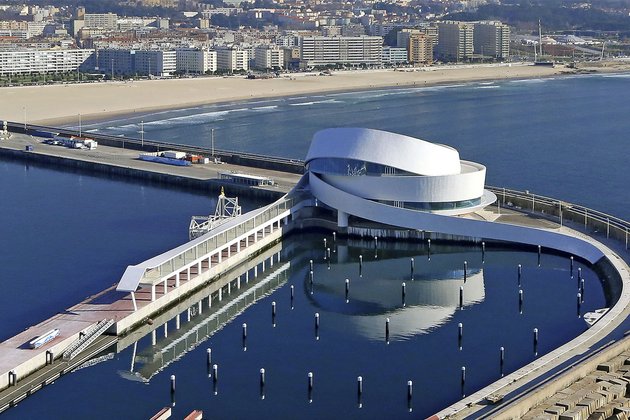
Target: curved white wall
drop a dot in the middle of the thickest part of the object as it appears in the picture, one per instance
(423, 189)
(385, 148)
(411, 219)
(424, 175)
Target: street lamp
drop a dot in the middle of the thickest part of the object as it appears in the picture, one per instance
(24, 109)
(79, 124)
(212, 141)
(142, 134)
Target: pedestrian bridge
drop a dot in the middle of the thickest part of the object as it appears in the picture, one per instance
(180, 270)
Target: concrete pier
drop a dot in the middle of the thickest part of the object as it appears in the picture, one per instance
(125, 163)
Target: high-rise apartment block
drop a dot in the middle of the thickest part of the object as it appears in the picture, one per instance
(101, 20)
(196, 61)
(420, 49)
(455, 41)
(232, 59)
(269, 57)
(43, 61)
(156, 62)
(492, 39)
(321, 50)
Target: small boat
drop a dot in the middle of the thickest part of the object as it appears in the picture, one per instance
(44, 338)
(592, 317)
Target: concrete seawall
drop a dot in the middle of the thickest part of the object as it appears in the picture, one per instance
(232, 157)
(204, 185)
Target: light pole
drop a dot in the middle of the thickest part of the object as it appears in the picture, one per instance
(112, 69)
(142, 134)
(212, 141)
(24, 109)
(79, 124)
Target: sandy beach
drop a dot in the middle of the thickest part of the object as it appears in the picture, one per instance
(58, 104)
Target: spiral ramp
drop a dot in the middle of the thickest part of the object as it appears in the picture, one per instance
(413, 184)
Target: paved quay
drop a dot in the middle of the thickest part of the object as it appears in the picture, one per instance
(521, 388)
(126, 162)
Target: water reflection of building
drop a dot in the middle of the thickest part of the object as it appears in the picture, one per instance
(190, 323)
(430, 300)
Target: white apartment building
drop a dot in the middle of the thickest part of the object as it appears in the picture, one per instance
(268, 57)
(15, 33)
(42, 61)
(21, 29)
(232, 59)
(196, 61)
(321, 50)
(156, 62)
(492, 39)
(101, 20)
(394, 55)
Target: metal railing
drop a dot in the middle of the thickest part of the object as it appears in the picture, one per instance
(561, 211)
(218, 240)
(229, 156)
(88, 338)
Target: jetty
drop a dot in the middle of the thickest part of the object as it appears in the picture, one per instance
(121, 159)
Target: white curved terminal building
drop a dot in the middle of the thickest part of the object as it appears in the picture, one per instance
(393, 170)
(409, 183)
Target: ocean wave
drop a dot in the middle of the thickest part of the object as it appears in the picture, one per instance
(264, 108)
(326, 101)
(530, 80)
(617, 75)
(195, 118)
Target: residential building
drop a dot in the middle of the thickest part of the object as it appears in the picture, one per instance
(101, 20)
(455, 41)
(492, 39)
(394, 55)
(156, 62)
(402, 37)
(196, 61)
(232, 59)
(44, 61)
(269, 57)
(115, 61)
(21, 29)
(291, 57)
(420, 48)
(321, 50)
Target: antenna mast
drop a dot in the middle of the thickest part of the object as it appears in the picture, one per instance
(540, 38)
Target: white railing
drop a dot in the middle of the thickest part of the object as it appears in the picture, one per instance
(562, 211)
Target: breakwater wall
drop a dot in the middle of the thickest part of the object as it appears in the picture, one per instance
(274, 163)
(212, 186)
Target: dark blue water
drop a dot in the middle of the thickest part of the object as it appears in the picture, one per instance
(65, 236)
(423, 345)
(565, 137)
